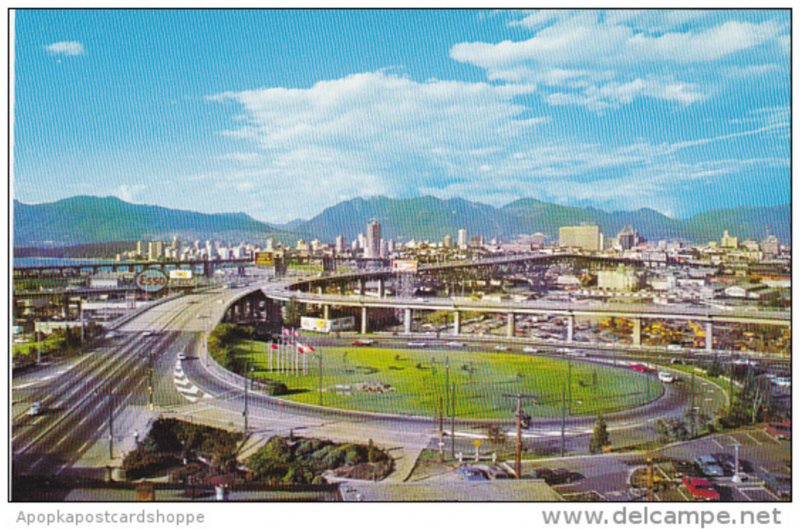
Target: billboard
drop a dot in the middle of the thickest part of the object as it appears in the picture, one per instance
(322, 325)
(180, 274)
(151, 280)
(264, 259)
(408, 265)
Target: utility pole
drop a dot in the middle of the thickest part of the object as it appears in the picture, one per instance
(151, 387)
(569, 385)
(319, 382)
(693, 411)
(650, 470)
(246, 377)
(563, 417)
(441, 428)
(453, 421)
(518, 463)
(38, 346)
(111, 424)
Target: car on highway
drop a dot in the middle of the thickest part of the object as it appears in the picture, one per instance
(500, 348)
(35, 409)
(529, 349)
(709, 466)
(640, 368)
(779, 430)
(419, 345)
(181, 356)
(701, 489)
(666, 377)
(363, 343)
(455, 344)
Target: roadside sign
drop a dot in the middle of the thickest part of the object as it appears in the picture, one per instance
(407, 265)
(151, 280)
(264, 259)
(180, 274)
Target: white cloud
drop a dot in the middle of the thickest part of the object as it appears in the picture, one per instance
(601, 60)
(69, 48)
(375, 133)
(129, 193)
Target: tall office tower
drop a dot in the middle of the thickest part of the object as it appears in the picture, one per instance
(340, 245)
(373, 247)
(463, 241)
(447, 242)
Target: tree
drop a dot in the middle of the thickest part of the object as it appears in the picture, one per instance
(600, 437)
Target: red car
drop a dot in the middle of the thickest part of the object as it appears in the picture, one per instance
(639, 368)
(780, 430)
(701, 489)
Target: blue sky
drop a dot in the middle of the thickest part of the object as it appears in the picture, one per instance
(280, 114)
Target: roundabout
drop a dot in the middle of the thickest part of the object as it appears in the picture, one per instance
(403, 382)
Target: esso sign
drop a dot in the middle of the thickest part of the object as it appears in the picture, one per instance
(151, 280)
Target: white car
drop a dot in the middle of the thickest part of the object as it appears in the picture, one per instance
(530, 349)
(416, 344)
(181, 356)
(500, 348)
(455, 344)
(35, 409)
(666, 377)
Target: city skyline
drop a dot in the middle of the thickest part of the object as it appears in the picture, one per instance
(678, 111)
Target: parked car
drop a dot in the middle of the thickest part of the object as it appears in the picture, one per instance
(472, 474)
(701, 489)
(728, 461)
(709, 466)
(556, 476)
(779, 484)
(35, 409)
(781, 430)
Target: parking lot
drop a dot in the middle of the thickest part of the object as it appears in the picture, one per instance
(614, 477)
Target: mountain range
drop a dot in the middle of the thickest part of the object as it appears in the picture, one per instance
(84, 220)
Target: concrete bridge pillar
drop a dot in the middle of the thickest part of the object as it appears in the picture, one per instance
(456, 323)
(326, 312)
(341, 289)
(407, 320)
(570, 328)
(637, 331)
(364, 320)
(362, 286)
(510, 325)
(381, 288)
(709, 336)
(320, 290)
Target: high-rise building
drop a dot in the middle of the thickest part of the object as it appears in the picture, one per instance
(770, 246)
(176, 242)
(537, 239)
(373, 246)
(270, 246)
(586, 237)
(139, 248)
(361, 241)
(463, 241)
(340, 245)
(447, 242)
(627, 238)
(155, 250)
(729, 241)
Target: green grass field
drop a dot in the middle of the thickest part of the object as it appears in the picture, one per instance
(413, 380)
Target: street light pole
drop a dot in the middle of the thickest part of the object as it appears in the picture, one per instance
(246, 377)
(111, 424)
(453, 421)
(518, 463)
